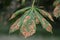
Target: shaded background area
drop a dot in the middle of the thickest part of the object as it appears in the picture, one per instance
(7, 7)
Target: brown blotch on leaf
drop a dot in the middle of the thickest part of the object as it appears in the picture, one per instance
(46, 14)
(56, 12)
(44, 24)
(26, 18)
(15, 26)
(49, 28)
(31, 29)
(37, 21)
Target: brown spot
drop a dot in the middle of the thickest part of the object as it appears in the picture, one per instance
(27, 17)
(37, 21)
(43, 19)
(31, 28)
(56, 11)
(15, 25)
(49, 28)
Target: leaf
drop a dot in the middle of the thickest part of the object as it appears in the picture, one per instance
(45, 24)
(56, 11)
(28, 30)
(37, 21)
(14, 26)
(18, 23)
(56, 2)
(29, 27)
(18, 12)
(45, 14)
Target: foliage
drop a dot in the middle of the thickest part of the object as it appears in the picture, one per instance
(56, 11)
(32, 15)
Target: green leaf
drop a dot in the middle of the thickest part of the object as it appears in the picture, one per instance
(23, 16)
(19, 12)
(14, 26)
(28, 27)
(45, 14)
(18, 23)
(45, 24)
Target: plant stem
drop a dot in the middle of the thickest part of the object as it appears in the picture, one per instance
(33, 3)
